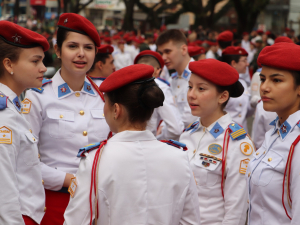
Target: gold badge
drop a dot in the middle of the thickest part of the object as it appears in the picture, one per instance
(243, 166)
(26, 106)
(5, 135)
(246, 148)
(72, 187)
(215, 149)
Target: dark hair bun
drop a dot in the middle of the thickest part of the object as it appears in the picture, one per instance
(151, 95)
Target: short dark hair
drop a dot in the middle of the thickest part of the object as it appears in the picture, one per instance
(99, 57)
(149, 60)
(138, 99)
(8, 51)
(224, 44)
(171, 35)
(296, 76)
(228, 58)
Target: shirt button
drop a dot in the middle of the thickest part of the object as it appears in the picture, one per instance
(240, 115)
(77, 94)
(194, 151)
(257, 153)
(81, 112)
(39, 156)
(178, 86)
(240, 104)
(61, 116)
(269, 159)
(249, 174)
(45, 208)
(43, 182)
(248, 201)
(204, 129)
(33, 139)
(30, 131)
(84, 133)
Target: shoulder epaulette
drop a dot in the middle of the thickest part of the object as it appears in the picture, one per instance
(237, 131)
(3, 101)
(191, 126)
(163, 80)
(176, 144)
(87, 149)
(44, 82)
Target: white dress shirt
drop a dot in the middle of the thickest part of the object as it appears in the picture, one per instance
(122, 59)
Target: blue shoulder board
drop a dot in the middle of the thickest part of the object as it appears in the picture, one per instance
(192, 126)
(87, 148)
(176, 144)
(163, 80)
(3, 101)
(44, 82)
(237, 131)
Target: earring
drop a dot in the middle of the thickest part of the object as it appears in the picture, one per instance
(11, 72)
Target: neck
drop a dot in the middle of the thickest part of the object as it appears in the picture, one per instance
(132, 127)
(9, 82)
(75, 83)
(210, 119)
(95, 73)
(183, 65)
(284, 115)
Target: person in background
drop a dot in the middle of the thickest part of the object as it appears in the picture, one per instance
(224, 39)
(212, 51)
(122, 58)
(196, 52)
(245, 42)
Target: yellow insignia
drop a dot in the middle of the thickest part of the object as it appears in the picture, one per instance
(5, 135)
(72, 187)
(243, 166)
(26, 106)
(215, 149)
(246, 148)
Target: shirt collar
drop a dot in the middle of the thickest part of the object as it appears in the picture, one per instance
(12, 96)
(62, 89)
(131, 136)
(186, 73)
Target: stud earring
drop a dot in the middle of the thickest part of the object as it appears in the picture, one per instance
(11, 72)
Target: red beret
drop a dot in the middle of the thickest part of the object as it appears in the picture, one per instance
(105, 49)
(107, 40)
(76, 23)
(155, 55)
(116, 37)
(219, 73)
(232, 50)
(192, 44)
(121, 42)
(283, 39)
(198, 42)
(126, 75)
(245, 33)
(281, 55)
(16, 35)
(195, 50)
(268, 32)
(260, 31)
(225, 36)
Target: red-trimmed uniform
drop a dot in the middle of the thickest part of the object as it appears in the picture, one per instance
(21, 191)
(219, 153)
(149, 183)
(64, 120)
(273, 174)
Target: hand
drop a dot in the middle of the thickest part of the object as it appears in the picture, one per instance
(67, 180)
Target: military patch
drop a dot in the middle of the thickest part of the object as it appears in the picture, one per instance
(5, 135)
(73, 186)
(215, 149)
(246, 148)
(243, 166)
(26, 106)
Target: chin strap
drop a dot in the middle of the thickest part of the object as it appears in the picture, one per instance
(96, 88)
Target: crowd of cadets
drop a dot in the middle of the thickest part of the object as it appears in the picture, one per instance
(153, 130)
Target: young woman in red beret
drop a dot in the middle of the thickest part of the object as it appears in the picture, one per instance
(21, 192)
(273, 174)
(133, 178)
(218, 148)
(67, 112)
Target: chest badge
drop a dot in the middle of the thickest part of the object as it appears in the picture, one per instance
(246, 148)
(5, 135)
(243, 166)
(207, 160)
(215, 149)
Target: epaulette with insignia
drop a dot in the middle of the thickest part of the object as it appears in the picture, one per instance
(174, 75)
(44, 82)
(87, 149)
(176, 144)
(237, 131)
(3, 101)
(191, 126)
(163, 80)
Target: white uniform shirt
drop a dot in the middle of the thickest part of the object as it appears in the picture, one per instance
(122, 59)
(210, 55)
(140, 181)
(21, 190)
(179, 87)
(261, 124)
(246, 45)
(133, 52)
(214, 209)
(265, 176)
(98, 80)
(168, 113)
(64, 120)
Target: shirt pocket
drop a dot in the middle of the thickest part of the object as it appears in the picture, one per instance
(61, 124)
(264, 172)
(30, 151)
(98, 125)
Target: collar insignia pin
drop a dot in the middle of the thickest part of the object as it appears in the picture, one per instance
(63, 89)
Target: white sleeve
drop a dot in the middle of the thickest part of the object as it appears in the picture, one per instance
(295, 186)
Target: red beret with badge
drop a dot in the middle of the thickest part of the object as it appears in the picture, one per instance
(234, 50)
(103, 49)
(218, 73)
(283, 39)
(225, 36)
(282, 55)
(79, 24)
(16, 35)
(153, 54)
(137, 73)
(195, 50)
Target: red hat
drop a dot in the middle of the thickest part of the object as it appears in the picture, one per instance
(287, 29)
(155, 55)
(219, 73)
(199, 42)
(192, 44)
(245, 33)
(225, 36)
(127, 75)
(107, 40)
(260, 31)
(195, 50)
(16, 35)
(116, 37)
(268, 32)
(103, 49)
(76, 23)
(232, 50)
(121, 42)
(283, 39)
(281, 55)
